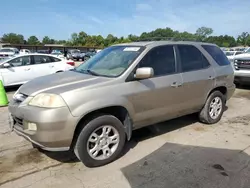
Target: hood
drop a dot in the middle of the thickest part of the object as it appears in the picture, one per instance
(230, 56)
(62, 82)
(242, 56)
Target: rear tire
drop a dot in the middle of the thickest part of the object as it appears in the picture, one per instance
(211, 112)
(95, 148)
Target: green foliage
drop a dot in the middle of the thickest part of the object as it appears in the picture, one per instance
(242, 38)
(13, 38)
(47, 40)
(33, 40)
(83, 39)
(203, 32)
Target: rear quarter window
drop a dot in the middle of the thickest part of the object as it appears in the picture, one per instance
(217, 54)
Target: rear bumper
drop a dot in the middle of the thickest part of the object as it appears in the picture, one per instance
(230, 91)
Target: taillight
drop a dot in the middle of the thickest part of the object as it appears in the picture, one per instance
(71, 63)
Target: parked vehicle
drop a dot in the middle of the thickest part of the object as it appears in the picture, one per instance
(24, 51)
(57, 53)
(241, 64)
(43, 51)
(74, 54)
(22, 68)
(88, 55)
(231, 54)
(94, 108)
(8, 52)
(247, 50)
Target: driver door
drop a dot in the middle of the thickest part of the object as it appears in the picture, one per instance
(156, 99)
(19, 72)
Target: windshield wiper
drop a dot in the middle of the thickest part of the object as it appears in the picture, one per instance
(88, 71)
(92, 72)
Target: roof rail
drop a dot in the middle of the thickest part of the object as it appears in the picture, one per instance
(168, 39)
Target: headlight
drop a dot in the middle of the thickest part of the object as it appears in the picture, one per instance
(47, 100)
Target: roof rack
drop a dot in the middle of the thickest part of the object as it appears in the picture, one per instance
(168, 39)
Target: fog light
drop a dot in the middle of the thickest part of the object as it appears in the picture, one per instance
(30, 126)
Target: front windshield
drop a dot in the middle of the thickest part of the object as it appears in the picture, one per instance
(6, 50)
(112, 61)
(248, 50)
(229, 53)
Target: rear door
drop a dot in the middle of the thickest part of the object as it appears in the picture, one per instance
(43, 65)
(20, 71)
(198, 77)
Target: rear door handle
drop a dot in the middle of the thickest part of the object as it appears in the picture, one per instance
(27, 69)
(176, 84)
(211, 78)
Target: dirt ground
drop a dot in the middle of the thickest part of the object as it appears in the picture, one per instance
(181, 153)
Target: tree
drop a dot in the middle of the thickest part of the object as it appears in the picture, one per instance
(33, 40)
(74, 39)
(203, 32)
(46, 40)
(13, 38)
(242, 38)
(133, 37)
(82, 38)
(248, 41)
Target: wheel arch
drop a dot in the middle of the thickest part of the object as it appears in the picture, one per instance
(120, 112)
(222, 89)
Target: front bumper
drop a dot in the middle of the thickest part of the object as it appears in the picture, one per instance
(242, 76)
(55, 127)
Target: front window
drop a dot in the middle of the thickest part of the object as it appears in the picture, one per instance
(111, 62)
(20, 61)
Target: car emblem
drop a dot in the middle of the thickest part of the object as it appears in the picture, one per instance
(245, 62)
(19, 97)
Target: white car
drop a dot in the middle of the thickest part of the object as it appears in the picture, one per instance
(231, 54)
(22, 68)
(8, 52)
(24, 51)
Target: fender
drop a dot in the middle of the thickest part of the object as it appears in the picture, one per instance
(95, 105)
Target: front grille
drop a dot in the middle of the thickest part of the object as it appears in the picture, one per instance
(18, 121)
(242, 64)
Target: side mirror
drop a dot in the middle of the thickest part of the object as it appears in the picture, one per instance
(144, 73)
(6, 65)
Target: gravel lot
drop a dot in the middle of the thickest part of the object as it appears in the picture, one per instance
(177, 154)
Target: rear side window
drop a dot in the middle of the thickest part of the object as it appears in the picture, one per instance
(191, 58)
(54, 59)
(217, 54)
(41, 59)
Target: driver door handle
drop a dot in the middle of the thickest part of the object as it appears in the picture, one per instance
(176, 84)
(27, 69)
(211, 78)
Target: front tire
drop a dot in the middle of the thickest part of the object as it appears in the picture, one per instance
(101, 141)
(213, 109)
